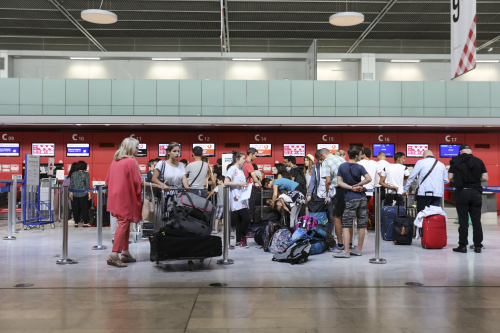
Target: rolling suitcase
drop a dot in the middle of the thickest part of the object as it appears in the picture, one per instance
(403, 227)
(433, 231)
(388, 213)
(177, 244)
(412, 211)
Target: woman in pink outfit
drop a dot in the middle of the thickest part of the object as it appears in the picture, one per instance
(124, 198)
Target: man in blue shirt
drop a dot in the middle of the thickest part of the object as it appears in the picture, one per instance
(349, 177)
(433, 183)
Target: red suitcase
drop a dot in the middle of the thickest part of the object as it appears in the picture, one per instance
(433, 232)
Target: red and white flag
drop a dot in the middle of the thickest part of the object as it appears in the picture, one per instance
(463, 37)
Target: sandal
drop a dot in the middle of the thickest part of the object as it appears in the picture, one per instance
(115, 262)
(127, 258)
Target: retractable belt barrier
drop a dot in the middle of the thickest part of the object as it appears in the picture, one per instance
(11, 208)
(494, 189)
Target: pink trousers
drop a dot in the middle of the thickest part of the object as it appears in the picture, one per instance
(122, 235)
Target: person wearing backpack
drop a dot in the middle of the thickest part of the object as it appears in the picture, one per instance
(297, 175)
(349, 177)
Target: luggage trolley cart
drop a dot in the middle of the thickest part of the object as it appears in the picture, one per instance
(37, 213)
(163, 216)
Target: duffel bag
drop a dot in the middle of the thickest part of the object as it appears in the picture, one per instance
(194, 205)
(187, 223)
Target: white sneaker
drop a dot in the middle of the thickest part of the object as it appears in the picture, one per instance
(215, 231)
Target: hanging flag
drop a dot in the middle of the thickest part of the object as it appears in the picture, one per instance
(463, 37)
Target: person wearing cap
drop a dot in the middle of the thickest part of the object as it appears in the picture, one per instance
(432, 175)
(468, 171)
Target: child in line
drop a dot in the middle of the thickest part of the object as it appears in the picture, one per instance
(219, 213)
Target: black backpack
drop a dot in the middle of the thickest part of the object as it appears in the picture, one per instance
(300, 179)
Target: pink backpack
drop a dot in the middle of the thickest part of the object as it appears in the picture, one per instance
(306, 222)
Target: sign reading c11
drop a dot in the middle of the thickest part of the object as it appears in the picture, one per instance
(463, 37)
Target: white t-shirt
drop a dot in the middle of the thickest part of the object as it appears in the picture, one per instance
(308, 179)
(395, 174)
(370, 167)
(171, 176)
(236, 175)
(380, 167)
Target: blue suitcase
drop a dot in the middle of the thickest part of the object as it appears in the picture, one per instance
(388, 214)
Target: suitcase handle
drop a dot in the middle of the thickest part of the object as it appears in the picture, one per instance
(429, 192)
(397, 199)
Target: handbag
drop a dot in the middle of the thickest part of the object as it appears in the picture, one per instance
(148, 205)
(427, 175)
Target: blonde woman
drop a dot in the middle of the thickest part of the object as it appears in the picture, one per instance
(341, 153)
(308, 168)
(124, 198)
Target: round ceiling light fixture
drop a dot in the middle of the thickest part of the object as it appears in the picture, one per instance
(99, 16)
(346, 19)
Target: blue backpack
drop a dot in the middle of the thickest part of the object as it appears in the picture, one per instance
(317, 237)
(317, 246)
(321, 217)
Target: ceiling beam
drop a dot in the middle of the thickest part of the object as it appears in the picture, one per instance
(225, 27)
(77, 24)
(488, 43)
(372, 25)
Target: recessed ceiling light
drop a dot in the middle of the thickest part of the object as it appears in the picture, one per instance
(405, 60)
(329, 59)
(487, 60)
(166, 59)
(99, 16)
(85, 58)
(346, 19)
(490, 49)
(245, 59)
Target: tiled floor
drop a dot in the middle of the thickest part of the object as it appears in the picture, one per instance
(460, 292)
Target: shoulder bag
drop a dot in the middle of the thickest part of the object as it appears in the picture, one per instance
(202, 165)
(427, 175)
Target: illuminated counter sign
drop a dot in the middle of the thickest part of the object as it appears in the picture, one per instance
(9, 149)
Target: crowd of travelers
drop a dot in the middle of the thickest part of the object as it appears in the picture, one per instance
(338, 181)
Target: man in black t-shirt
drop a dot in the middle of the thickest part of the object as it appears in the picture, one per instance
(468, 171)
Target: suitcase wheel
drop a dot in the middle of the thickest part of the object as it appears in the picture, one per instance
(190, 264)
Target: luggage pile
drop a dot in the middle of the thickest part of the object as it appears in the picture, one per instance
(307, 239)
(185, 232)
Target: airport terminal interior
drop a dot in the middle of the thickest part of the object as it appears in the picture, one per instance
(187, 92)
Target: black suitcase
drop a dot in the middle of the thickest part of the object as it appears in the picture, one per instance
(170, 244)
(402, 227)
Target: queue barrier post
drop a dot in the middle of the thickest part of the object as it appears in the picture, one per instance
(99, 245)
(378, 211)
(11, 210)
(227, 230)
(65, 260)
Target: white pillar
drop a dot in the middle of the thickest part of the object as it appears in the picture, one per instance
(367, 72)
(4, 70)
